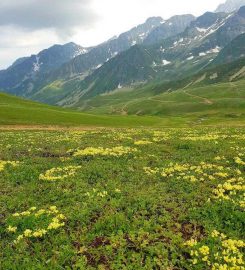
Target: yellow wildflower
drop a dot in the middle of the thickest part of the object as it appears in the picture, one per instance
(28, 233)
(12, 229)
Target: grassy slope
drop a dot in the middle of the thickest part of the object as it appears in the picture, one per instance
(221, 103)
(224, 100)
(14, 110)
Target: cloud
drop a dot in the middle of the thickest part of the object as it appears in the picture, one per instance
(28, 26)
(63, 16)
(15, 43)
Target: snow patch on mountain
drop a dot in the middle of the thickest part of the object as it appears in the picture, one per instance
(165, 62)
(162, 49)
(80, 51)
(100, 65)
(202, 54)
(114, 54)
(202, 30)
(217, 49)
(37, 64)
(190, 58)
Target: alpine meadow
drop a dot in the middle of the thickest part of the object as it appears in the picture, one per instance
(128, 154)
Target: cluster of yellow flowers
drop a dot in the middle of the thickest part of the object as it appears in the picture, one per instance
(159, 136)
(142, 142)
(233, 190)
(56, 222)
(12, 229)
(4, 163)
(118, 136)
(59, 173)
(100, 151)
(203, 171)
(207, 137)
(221, 253)
(239, 161)
(25, 213)
(218, 158)
(238, 148)
(238, 136)
(149, 171)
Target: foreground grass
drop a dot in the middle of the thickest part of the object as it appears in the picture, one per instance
(122, 199)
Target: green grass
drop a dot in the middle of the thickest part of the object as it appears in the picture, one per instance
(216, 104)
(119, 214)
(16, 111)
(218, 101)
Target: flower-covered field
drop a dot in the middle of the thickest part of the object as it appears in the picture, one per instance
(123, 199)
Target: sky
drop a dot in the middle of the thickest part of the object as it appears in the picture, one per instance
(29, 26)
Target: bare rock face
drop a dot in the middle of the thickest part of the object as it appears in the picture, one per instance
(230, 5)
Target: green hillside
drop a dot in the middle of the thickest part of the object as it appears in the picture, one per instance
(213, 96)
(206, 103)
(18, 111)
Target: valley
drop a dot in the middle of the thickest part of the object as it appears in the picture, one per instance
(126, 152)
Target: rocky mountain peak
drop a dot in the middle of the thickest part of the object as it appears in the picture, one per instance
(230, 6)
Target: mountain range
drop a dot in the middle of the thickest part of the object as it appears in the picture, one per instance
(157, 51)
